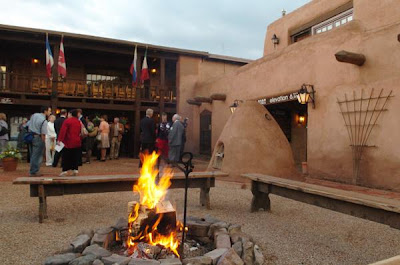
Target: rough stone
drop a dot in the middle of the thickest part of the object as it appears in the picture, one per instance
(114, 258)
(248, 254)
(200, 260)
(122, 223)
(258, 256)
(219, 231)
(97, 262)
(217, 226)
(61, 259)
(97, 251)
(80, 243)
(240, 237)
(144, 262)
(103, 240)
(84, 260)
(216, 254)
(104, 230)
(222, 241)
(211, 219)
(238, 248)
(172, 261)
(230, 258)
(234, 229)
(88, 232)
(198, 228)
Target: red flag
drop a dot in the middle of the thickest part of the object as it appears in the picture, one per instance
(145, 69)
(62, 66)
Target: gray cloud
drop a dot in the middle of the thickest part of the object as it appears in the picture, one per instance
(234, 28)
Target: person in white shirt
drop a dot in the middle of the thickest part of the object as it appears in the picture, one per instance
(50, 141)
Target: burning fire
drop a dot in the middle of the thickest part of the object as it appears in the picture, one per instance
(151, 197)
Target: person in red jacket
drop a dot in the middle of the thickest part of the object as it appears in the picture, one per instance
(70, 136)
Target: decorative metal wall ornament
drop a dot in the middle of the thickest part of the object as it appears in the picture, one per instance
(360, 116)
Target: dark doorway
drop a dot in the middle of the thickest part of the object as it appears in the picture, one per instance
(205, 132)
(292, 118)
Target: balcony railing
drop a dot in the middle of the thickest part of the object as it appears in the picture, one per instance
(40, 85)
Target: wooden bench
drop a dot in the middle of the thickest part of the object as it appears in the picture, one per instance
(374, 208)
(43, 187)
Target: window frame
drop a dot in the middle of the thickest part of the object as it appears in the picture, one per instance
(332, 22)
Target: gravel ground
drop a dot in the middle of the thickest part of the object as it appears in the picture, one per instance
(293, 233)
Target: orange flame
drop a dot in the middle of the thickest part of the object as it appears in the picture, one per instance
(151, 194)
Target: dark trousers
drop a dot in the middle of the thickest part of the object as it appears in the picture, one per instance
(70, 158)
(57, 156)
(146, 147)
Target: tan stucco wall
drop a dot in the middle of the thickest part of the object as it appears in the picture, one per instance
(192, 74)
(254, 144)
(312, 61)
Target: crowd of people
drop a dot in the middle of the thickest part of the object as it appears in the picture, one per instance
(71, 135)
(167, 138)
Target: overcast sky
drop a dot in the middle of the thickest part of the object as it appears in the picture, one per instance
(227, 27)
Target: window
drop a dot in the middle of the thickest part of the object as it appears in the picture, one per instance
(333, 22)
(3, 70)
(301, 35)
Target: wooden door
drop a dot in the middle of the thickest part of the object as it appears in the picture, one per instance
(205, 133)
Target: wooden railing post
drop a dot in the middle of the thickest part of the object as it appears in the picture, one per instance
(54, 85)
(162, 88)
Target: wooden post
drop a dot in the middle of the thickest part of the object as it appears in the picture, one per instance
(205, 194)
(138, 96)
(350, 57)
(42, 203)
(260, 199)
(162, 88)
(54, 92)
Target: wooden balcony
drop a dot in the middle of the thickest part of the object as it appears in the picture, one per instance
(11, 83)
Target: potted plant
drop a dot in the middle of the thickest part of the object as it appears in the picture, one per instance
(9, 158)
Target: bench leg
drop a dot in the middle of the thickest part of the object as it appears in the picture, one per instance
(205, 197)
(260, 199)
(42, 204)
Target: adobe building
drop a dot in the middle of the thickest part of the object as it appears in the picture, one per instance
(348, 52)
(98, 78)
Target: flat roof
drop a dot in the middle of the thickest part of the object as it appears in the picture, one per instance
(125, 42)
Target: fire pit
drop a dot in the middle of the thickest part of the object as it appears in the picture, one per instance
(152, 234)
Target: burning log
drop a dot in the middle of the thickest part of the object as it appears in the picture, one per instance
(163, 217)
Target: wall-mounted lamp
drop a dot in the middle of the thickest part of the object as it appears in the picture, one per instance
(235, 105)
(153, 70)
(306, 94)
(35, 61)
(275, 40)
(58, 111)
(302, 119)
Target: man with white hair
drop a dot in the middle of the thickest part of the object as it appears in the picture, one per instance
(116, 131)
(175, 139)
(148, 132)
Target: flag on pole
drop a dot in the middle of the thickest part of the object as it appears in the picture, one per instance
(145, 69)
(62, 66)
(49, 58)
(133, 69)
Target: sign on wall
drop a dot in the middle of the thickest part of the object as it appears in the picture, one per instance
(279, 99)
(6, 101)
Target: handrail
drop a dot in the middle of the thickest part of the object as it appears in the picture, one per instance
(72, 87)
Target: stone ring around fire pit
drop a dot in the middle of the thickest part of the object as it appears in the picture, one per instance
(209, 242)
